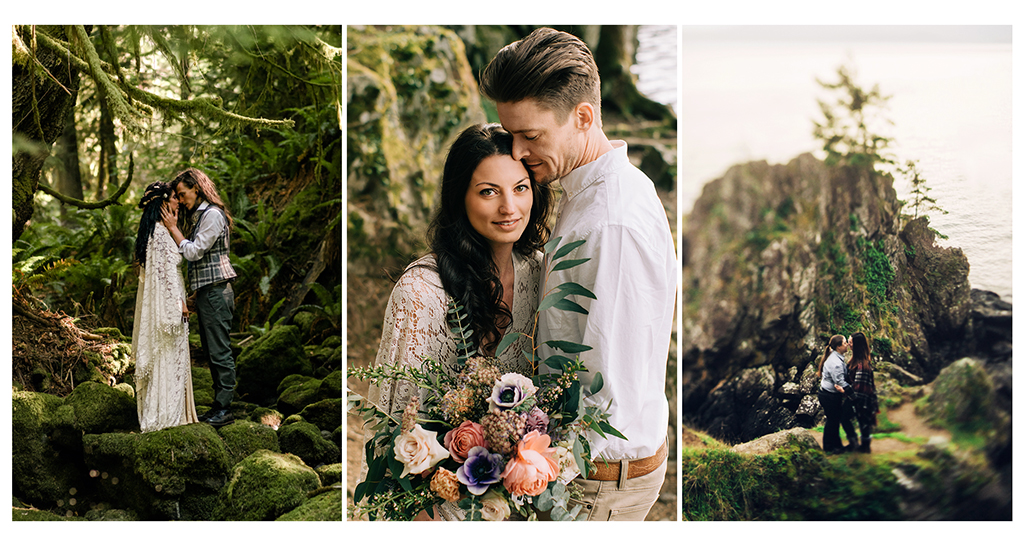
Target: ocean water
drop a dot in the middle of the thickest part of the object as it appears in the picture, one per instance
(950, 109)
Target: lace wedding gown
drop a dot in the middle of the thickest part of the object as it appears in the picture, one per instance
(416, 326)
(163, 374)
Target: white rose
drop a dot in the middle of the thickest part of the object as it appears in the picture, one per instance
(566, 462)
(495, 508)
(418, 450)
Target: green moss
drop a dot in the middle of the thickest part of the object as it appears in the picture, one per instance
(961, 398)
(101, 408)
(304, 440)
(266, 485)
(793, 483)
(202, 386)
(331, 473)
(298, 396)
(264, 364)
(325, 414)
(327, 506)
(243, 438)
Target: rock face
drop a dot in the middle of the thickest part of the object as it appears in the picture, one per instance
(776, 259)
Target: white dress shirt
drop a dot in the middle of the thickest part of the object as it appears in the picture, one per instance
(632, 271)
(211, 226)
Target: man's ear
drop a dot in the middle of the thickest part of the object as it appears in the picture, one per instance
(584, 116)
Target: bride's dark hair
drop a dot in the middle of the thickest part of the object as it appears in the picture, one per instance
(156, 194)
(468, 274)
(861, 356)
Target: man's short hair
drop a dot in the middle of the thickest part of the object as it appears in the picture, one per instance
(552, 67)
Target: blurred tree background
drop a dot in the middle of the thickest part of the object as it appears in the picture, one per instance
(100, 112)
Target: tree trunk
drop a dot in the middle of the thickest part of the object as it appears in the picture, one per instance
(35, 96)
(108, 151)
(68, 176)
(614, 55)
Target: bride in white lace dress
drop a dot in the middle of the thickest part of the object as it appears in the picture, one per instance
(163, 374)
(485, 241)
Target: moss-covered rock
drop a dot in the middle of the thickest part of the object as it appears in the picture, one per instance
(175, 473)
(267, 416)
(325, 414)
(100, 408)
(202, 386)
(266, 485)
(243, 438)
(304, 440)
(298, 396)
(961, 397)
(46, 449)
(331, 473)
(327, 506)
(331, 386)
(292, 380)
(264, 364)
(32, 514)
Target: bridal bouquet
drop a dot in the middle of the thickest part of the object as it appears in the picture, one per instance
(495, 443)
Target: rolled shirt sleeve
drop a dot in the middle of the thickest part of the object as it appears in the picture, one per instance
(210, 227)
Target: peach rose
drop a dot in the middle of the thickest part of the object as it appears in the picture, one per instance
(495, 508)
(463, 438)
(532, 466)
(418, 450)
(445, 484)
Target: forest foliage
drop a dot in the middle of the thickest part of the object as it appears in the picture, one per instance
(258, 108)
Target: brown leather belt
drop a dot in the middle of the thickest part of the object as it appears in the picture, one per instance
(610, 471)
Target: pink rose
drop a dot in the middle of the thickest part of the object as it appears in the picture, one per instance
(463, 438)
(532, 466)
(418, 450)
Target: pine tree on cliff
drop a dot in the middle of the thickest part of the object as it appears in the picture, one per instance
(919, 198)
(849, 131)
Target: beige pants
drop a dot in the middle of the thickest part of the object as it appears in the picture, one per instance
(623, 500)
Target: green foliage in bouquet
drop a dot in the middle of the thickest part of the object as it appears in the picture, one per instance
(495, 423)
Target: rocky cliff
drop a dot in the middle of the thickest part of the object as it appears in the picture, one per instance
(777, 258)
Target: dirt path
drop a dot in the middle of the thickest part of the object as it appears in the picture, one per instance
(911, 425)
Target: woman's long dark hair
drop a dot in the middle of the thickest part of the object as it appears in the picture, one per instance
(156, 194)
(861, 352)
(207, 190)
(464, 263)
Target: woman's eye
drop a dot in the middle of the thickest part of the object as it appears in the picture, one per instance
(534, 137)
(523, 188)
(487, 192)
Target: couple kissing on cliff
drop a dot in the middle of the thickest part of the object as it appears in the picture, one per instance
(847, 390)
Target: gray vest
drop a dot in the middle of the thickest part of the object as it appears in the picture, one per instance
(214, 266)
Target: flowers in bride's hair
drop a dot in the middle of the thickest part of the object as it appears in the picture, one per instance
(568, 469)
(481, 470)
(537, 420)
(532, 466)
(418, 450)
(463, 438)
(495, 507)
(502, 430)
(445, 484)
(510, 391)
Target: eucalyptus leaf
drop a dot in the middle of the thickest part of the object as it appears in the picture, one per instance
(509, 339)
(568, 264)
(544, 502)
(575, 289)
(569, 247)
(549, 301)
(567, 346)
(552, 245)
(569, 305)
(597, 383)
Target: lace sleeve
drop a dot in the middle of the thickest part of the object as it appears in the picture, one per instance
(415, 327)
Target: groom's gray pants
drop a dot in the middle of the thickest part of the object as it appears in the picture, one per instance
(215, 304)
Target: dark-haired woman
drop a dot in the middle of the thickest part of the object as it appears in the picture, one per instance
(485, 253)
(163, 374)
(862, 389)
